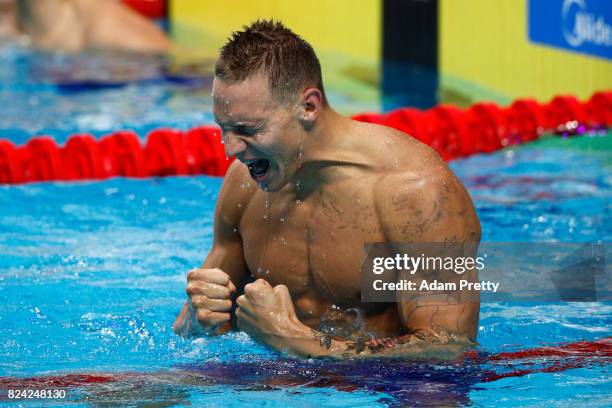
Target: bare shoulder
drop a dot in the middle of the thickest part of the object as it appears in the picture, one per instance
(236, 191)
(428, 203)
(396, 151)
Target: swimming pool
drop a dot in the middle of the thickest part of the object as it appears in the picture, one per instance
(93, 274)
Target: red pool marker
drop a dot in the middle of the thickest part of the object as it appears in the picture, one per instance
(598, 109)
(564, 109)
(452, 132)
(122, 155)
(452, 137)
(526, 121)
(165, 154)
(559, 358)
(42, 160)
(11, 171)
(205, 150)
(406, 120)
(148, 8)
(81, 158)
(596, 348)
(198, 152)
(487, 127)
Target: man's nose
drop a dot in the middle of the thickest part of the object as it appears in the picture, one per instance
(234, 144)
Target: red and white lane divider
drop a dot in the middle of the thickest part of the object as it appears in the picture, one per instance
(452, 132)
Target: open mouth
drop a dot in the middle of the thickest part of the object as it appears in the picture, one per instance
(258, 168)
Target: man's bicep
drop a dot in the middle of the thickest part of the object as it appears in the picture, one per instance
(438, 313)
(432, 219)
(434, 209)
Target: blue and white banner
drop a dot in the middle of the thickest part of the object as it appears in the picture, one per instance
(583, 26)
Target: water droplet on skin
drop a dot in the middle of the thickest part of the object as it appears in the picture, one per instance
(239, 205)
(298, 201)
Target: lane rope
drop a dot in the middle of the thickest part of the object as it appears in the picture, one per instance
(482, 128)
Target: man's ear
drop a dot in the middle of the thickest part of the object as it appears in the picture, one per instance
(310, 107)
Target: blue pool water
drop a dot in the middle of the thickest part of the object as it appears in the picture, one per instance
(92, 274)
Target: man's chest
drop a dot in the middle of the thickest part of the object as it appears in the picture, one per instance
(315, 245)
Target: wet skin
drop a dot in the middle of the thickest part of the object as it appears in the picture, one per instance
(329, 185)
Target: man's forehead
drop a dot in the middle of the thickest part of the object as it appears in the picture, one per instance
(254, 86)
(240, 101)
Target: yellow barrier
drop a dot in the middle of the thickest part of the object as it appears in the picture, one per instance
(345, 34)
(485, 54)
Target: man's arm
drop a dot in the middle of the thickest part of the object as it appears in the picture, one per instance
(226, 253)
(411, 210)
(74, 25)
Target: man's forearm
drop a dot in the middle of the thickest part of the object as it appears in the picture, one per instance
(421, 345)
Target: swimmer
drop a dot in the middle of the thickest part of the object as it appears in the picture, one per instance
(309, 188)
(76, 25)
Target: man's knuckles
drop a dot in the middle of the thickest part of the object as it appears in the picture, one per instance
(282, 290)
(210, 290)
(207, 317)
(257, 288)
(212, 275)
(203, 315)
(241, 301)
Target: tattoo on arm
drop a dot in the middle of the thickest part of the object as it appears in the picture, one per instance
(324, 340)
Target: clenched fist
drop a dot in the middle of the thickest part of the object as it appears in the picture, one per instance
(209, 303)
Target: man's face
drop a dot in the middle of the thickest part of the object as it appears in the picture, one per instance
(259, 130)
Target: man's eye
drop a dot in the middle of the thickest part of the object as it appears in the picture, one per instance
(245, 131)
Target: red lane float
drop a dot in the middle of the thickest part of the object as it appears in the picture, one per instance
(547, 359)
(122, 155)
(486, 127)
(82, 159)
(452, 132)
(10, 163)
(42, 160)
(149, 8)
(166, 152)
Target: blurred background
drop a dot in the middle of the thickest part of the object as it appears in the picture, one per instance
(389, 53)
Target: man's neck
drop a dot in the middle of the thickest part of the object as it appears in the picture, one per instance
(326, 153)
